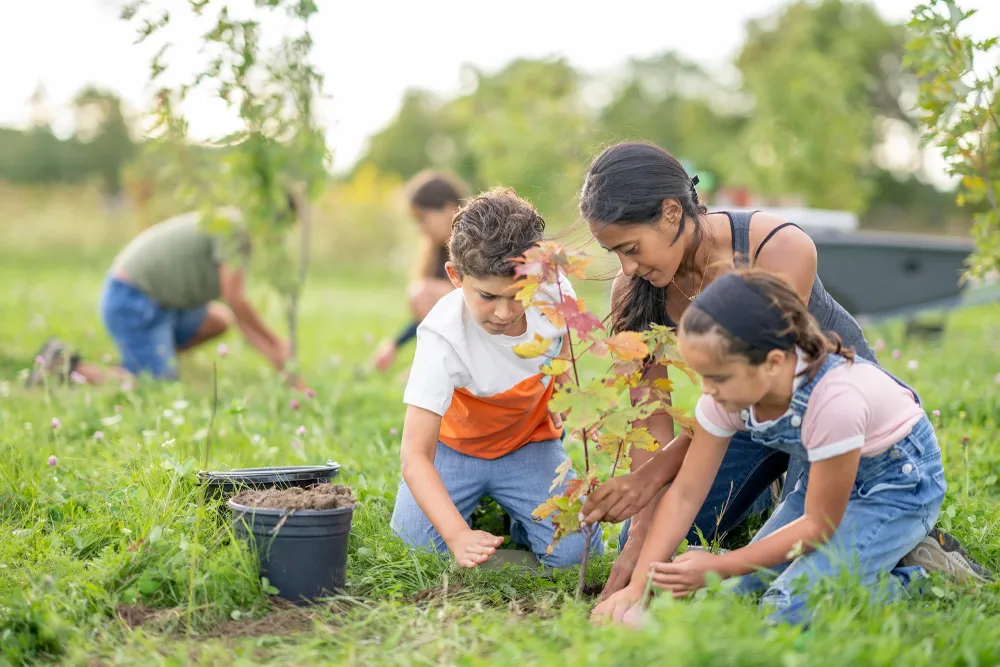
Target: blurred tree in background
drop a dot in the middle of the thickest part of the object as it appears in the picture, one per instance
(960, 105)
(817, 109)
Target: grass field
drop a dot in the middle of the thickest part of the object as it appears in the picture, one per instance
(107, 559)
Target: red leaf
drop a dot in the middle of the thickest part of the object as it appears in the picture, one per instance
(577, 317)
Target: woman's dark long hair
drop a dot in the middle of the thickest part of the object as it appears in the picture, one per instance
(626, 185)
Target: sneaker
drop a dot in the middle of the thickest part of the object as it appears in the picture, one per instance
(942, 552)
(50, 361)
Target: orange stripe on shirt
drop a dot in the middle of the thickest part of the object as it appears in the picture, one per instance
(489, 427)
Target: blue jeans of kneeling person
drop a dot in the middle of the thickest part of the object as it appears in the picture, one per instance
(894, 503)
(518, 482)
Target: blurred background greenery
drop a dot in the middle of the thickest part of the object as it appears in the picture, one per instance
(816, 110)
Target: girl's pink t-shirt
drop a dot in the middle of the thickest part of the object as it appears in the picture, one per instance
(853, 406)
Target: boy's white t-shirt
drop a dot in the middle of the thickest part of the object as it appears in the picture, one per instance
(491, 400)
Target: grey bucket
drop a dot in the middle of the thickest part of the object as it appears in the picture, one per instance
(306, 557)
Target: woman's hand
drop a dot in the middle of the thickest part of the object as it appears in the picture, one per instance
(619, 498)
(686, 573)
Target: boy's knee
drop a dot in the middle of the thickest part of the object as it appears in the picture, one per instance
(569, 551)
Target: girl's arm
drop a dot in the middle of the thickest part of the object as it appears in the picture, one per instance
(420, 438)
(677, 510)
(829, 489)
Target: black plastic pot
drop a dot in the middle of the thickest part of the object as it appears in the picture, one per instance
(223, 483)
(303, 553)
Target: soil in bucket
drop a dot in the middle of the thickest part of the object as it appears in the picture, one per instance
(300, 535)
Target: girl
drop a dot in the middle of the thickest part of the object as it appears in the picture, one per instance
(641, 204)
(435, 197)
(874, 483)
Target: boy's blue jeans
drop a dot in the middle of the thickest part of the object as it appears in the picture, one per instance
(518, 482)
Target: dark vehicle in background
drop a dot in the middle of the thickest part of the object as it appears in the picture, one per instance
(883, 275)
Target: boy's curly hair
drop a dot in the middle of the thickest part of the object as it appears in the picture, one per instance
(490, 230)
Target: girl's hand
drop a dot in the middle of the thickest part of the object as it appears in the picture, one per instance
(686, 573)
(621, 607)
(473, 547)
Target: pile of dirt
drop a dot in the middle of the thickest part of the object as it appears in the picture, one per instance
(319, 497)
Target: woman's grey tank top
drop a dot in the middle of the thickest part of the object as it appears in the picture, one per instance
(830, 314)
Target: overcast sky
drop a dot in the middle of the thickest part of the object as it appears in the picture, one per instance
(372, 50)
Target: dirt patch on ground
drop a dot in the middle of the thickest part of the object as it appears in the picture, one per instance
(319, 497)
(136, 615)
(284, 618)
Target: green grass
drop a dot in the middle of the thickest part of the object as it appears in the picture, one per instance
(70, 550)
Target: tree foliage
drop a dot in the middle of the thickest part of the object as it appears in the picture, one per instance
(599, 411)
(278, 147)
(960, 113)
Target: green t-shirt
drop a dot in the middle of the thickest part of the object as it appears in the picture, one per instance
(176, 262)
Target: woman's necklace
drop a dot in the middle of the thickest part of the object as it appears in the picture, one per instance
(703, 274)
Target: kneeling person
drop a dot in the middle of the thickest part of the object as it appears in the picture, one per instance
(477, 421)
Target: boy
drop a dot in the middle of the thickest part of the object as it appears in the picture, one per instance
(477, 422)
(174, 286)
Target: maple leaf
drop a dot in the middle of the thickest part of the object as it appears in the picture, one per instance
(556, 367)
(663, 384)
(555, 317)
(566, 522)
(526, 289)
(572, 490)
(627, 345)
(642, 438)
(577, 317)
(684, 368)
(561, 473)
(532, 349)
(609, 443)
(575, 265)
(547, 508)
(584, 405)
(680, 418)
(598, 347)
(532, 263)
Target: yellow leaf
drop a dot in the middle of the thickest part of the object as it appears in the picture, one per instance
(527, 287)
(663, 384)
(642, 438)
(535, 348)
(556, 367)
(561, 473)
(680, 418)
(628, 345)
(555, 317)
(546, 508)
(610, 443)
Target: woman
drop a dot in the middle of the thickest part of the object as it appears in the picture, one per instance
(640, 203)
(435, 197)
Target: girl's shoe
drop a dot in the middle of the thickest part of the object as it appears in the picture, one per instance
(942, 552)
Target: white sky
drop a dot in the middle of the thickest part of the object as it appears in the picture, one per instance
(372, 50)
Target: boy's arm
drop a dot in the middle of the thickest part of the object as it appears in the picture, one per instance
(420, 438)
